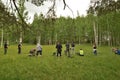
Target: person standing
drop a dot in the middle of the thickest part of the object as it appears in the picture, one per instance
(73, 47)
(68, 49)
(59, 48)
(5, 47)
(19, 48)
(94, 49)
(39, 49)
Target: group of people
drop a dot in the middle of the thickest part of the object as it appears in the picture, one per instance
(36, 51)
(69, 49)
(6, 47)
(32, 52)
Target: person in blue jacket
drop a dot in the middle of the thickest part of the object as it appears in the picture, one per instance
(118, 51)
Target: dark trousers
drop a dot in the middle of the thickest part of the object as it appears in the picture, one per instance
(5, 50)
(68, 52)
(39, 52)
(58, 52)
(95, 52)
(19, 50)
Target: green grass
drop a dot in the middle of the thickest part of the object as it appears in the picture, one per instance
(104, 66)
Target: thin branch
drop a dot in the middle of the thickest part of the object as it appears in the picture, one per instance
(52, 9)
(20, 15)
(70, 10)
(65, 5)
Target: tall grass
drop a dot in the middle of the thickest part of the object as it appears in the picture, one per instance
(104, 66)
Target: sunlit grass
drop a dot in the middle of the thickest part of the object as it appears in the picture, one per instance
(104, 66)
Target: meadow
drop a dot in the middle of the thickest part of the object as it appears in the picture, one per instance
(104, 66)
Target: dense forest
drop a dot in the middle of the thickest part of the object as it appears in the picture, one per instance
(102, 25)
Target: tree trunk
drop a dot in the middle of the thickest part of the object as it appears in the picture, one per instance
(56, 38)
(1, 38)
(79, 40)
(108, 33)
(20, 40)
(95, 34)
(39, 39)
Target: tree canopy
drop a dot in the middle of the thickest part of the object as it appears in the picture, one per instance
(102, 7)
(101, 24)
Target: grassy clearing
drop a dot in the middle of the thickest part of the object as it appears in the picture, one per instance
(104, 66)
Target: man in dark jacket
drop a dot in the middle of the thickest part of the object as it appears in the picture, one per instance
(59, 48)
(68, 49)
(5, 47)
(73, 48)
(19, 48)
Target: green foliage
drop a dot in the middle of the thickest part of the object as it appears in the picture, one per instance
(37, 2)
(104, 66)
(107, 20)
(6, 18)
(62, 29)
(108, 28)
(102, 7)
(80, 29)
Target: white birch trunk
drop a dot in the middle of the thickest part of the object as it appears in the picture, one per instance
(39, 39)
(95, 34)
(2, 38)
(20, 40)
